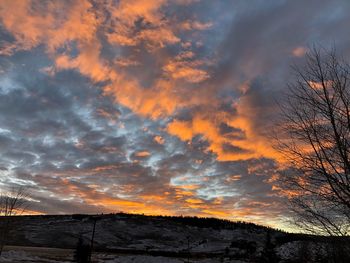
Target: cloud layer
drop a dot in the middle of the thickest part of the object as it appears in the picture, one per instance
(157, 106)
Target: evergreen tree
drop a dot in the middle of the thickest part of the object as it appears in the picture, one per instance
(268, 255)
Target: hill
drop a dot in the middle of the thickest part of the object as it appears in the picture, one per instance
(169, 237)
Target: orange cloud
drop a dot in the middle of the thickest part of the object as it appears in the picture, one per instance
(127, 13)
(186, 70)
(159, 101)
(251, 147)
(32, 27)
(185, 67)
(258, 143)
(159, 139)
(142, 154)
(88, 62)
(194, 201)
(189, 186)
(195, 25)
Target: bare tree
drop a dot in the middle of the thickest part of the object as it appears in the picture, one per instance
(314, 137)
(11, 204)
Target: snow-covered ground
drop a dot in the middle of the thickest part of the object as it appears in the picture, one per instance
(129, 233)
(49, 255)
(135, 238)
(36, 254)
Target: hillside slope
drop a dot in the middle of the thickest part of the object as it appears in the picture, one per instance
(170, 237)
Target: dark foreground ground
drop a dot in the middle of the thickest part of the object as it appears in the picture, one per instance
(137, 238)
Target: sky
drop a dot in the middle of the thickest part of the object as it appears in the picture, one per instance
(153, 106)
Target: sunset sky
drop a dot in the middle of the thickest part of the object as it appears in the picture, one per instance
(153, 106)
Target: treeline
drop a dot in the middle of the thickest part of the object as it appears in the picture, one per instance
(195, 221)
(215, 223)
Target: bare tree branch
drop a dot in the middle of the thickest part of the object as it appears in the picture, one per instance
(314, 136)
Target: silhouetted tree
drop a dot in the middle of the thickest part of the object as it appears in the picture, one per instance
(82, 252)
(314, 137)
(268, 255)
(11, 203)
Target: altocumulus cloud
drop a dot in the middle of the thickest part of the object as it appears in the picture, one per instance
(154, 106)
